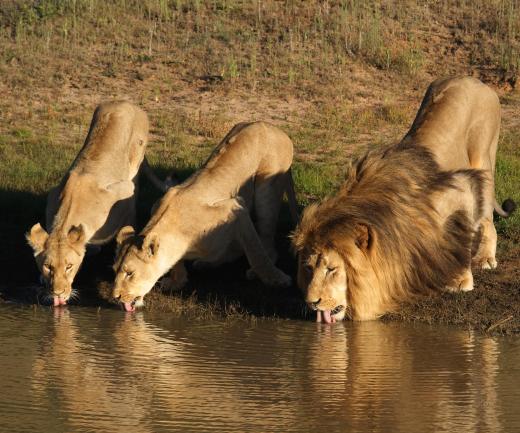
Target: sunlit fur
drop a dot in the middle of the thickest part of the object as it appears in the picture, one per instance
(459, 123)
(208, 217)
(383, 238)
(94, 199)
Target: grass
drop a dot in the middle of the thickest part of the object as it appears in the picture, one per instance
(338, 76)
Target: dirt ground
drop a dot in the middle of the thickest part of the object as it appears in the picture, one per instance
(196, 71)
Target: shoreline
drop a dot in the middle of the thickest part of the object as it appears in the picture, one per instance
(492, 308)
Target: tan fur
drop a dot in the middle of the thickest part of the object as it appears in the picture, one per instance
(409, 219)
(207, 218)
(459, 122)
(399, 227)
(95, 198)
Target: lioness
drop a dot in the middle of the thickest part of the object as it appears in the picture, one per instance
(95, 198)
(341, 267)
(208, 216)
(459, 122)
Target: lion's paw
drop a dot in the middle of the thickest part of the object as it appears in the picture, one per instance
(488, 263)
(168, 284)
(277, 279)
(466, 287)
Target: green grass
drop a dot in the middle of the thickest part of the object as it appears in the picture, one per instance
(339, 77)
(262, 44)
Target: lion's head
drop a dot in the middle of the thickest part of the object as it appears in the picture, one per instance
(323, 280)
(137, 267)
(58, 258)
(329, 261)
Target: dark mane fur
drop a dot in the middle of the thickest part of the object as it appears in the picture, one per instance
(392, 191)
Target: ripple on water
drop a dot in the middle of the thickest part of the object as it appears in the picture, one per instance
(80, 369)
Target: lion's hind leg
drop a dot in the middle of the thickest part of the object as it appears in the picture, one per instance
(267, 201)
(246, 234)
(486, 250)
(485, 256)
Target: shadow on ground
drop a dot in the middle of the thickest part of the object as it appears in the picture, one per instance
(493, 307)
(218, 292)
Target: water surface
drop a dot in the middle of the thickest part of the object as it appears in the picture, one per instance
(82, 370)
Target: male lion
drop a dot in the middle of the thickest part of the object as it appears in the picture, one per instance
(95, 198)
(399, 226)
(208, 216)
(350, 258)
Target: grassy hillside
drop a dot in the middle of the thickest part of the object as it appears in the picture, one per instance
(338, 76)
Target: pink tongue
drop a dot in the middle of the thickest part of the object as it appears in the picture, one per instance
(58, 301)
(129, 307)
(325, 316)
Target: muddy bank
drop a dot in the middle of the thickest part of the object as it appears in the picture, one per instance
(493, 307)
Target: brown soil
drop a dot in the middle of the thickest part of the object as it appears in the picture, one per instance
(53, 91)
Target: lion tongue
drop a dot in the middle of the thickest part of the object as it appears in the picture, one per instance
(58, 301)
(325, 316)
(129, 307)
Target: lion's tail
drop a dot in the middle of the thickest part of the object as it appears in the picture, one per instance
(154, 180)
(507, 208)
(291, 197)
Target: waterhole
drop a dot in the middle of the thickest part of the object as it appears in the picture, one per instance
(82, 370)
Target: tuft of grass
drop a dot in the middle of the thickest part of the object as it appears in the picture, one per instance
(339, 77)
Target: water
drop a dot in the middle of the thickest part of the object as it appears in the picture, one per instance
(84, 370)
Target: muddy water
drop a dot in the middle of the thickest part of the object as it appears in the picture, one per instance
(83, 370)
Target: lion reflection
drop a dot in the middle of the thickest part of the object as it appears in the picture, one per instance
(72, 375)
(410, 378)
(132, 375)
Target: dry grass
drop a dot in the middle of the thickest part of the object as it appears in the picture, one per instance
(339, 76)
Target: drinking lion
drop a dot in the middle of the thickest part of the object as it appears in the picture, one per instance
(95, 198)
(207, 217)
(409, 219)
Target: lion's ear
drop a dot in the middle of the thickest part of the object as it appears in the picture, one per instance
(150, 245)
(76, 234)
(363, 237)
(36, 238)
(124, 234)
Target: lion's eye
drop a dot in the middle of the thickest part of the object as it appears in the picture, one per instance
(129, 273)
(68, 267)
(331, 270)
(46, 267)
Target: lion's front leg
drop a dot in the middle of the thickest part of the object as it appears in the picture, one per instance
(176, 279)
(245, 233)
(463, 284)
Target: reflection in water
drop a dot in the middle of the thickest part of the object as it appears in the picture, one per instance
(82, 370)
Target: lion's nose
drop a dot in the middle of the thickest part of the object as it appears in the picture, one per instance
(314, 304)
